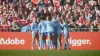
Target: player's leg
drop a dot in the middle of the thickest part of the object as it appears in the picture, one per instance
(59, 42)
(37, 39)
(66, 41)
(33, 43)
(44, 42)
(49, 40)
(53, 41)
(40, 41)
(33, 36)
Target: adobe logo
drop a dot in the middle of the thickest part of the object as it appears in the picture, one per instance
(10, 41)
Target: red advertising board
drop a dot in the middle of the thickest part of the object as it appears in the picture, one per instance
(84, 40)
(15, 41)
(23, 41)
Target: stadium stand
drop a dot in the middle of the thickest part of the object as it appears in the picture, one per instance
(81, 15)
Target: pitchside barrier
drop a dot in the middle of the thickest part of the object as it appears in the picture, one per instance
(22, 41)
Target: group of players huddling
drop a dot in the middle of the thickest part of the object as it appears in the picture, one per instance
(49, 32)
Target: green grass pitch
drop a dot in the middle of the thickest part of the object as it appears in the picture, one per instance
(50, 53)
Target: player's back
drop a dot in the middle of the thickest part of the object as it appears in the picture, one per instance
(34, 26)
(50, 26)
(55, 25)
(42, 27)
(59, 28)
(65, 28)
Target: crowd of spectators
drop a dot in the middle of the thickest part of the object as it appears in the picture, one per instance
(81, 15)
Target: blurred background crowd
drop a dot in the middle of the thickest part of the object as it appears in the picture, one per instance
(81, 15)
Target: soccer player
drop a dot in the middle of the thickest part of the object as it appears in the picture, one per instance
(50, 32)
(59, 34)
(66, 33)
(34, 29)
(42, 29)
(58, 31)
(54, 38)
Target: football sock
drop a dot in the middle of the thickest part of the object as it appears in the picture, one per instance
(53, 44)
(67, 45)
(44, 44)
(32, 44)
(40, 44)
(59, 44)
(49, 44)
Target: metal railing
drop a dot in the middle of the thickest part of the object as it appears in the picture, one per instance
(84, 29)
(70, 29)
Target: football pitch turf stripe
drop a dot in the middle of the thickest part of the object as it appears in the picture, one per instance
(50, 53)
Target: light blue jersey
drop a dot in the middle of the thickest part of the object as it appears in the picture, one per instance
(56, 26)
(59, 28)
(25, 28)
(50, 27)
(66, 29)
(34, 28)
(42, 27)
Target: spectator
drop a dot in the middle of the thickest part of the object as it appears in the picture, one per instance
(95, 27)
(15, 26)
(17, 13)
